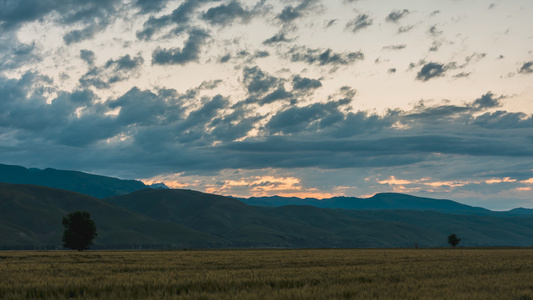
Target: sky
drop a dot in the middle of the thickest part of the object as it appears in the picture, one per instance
(309, 98)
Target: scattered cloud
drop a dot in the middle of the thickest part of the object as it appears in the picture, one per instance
(396, 15)
(395, 47)
(323, 57)
(431, 70)
(111, 72)
(358, 23)
(189, 53)
(527, 68)
(291, 13)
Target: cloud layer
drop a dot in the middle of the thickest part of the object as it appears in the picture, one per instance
(261, 97)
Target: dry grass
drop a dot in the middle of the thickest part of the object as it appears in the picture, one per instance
(269, 274)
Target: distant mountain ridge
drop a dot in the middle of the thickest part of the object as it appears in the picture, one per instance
(381, 201)
(75, 181)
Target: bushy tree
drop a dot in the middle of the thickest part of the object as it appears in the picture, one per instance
(80, 230)
(453, 240)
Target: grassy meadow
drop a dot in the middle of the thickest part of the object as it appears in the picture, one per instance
(269, 274)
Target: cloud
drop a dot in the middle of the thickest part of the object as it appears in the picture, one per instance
(300, 119)
(14, 54)
(434, 31)
(431, 70)
(396, 15)
(290, 13)
(95, 15)
(257, 81)
(225, 14)
(149, 6)
(111, 72)
(303, 83)
(179, 19)
(395, 47)
(527, 68)
(323, 57)
(360, 22)
(88, 56)
(189, 53)
(160, 131)
(278, 38)
(404, 29)
(76, 36)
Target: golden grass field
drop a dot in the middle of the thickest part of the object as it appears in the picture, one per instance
(269, 274)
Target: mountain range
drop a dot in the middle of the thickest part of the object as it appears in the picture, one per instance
(30, 217)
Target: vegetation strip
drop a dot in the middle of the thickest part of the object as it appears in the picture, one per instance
(269, 274)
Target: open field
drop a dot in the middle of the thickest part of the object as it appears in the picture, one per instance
(269, 274)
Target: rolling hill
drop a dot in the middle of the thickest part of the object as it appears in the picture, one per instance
(309, 226)
(80, 182)
(30, 216)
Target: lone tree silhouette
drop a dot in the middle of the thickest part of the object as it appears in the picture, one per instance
(80, 230)
(453, 240)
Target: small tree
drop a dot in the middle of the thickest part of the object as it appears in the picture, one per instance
(80, 230)
(453, 240)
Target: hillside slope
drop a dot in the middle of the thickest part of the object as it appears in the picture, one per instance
(308, 226)
(31, 216)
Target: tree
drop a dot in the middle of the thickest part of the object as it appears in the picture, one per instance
(453, 240)
(80, 230)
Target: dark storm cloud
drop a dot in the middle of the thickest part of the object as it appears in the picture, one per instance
(290, 13)
(303, 83)
(431, 70)
(189, 53)
(360, 22)
(527, 68)
(111, 72)
(396, 15)
(323, 57)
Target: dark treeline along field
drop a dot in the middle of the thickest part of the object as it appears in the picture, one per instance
(269, 274)
(133, 216)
